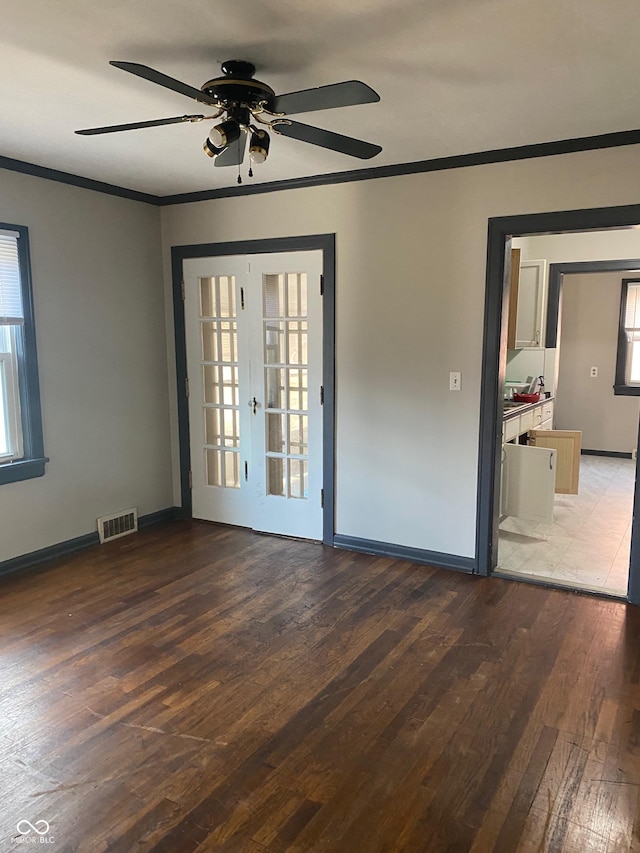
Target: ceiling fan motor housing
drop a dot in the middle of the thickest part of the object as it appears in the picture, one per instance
(238, 86)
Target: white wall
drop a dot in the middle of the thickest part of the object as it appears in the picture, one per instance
(587, 246)
(589, 338)
(411, 255)
(99, 312)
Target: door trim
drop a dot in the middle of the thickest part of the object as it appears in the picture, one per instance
(500, 232)
(326, 244)
(556, 275)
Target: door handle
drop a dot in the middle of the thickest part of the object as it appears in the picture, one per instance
(254, 404)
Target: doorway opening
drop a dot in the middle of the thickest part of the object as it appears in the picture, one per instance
(585, 543)
(254, 333)
(590, 227)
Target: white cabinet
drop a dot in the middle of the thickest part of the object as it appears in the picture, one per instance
(543, 416)
(527, 303)
(528, 482)
(540, 417)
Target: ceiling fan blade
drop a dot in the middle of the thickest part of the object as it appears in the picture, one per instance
(136, 125)
(233, 154)
(164, 80)
(325, 98)
(327, 139)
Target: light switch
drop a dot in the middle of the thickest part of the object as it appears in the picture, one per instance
(455, 381)
(594, 372)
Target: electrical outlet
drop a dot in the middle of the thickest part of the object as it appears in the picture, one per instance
(594, 372)
(455, 381)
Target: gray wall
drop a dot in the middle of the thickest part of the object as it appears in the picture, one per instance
(411, 262)
(589, 338)
(99, 311)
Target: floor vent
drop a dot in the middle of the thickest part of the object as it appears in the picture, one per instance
(117, 525)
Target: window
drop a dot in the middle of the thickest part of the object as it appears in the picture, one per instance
(628, 358)
(21, 447)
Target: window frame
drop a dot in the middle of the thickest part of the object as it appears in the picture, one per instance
(32, 462)
(622, 386)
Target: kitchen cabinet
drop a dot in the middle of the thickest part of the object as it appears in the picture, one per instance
(519, 422)
(527, 303)
(567, 444)
(543, 416)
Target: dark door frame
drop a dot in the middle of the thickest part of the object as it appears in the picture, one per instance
(326, 244)
(500, 232)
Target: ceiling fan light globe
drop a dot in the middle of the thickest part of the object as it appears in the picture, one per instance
(225, 133)
(259, 146)
(211, 150)
(216, 138)
(257, 155)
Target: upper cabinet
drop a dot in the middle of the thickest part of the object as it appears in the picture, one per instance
(527, 303)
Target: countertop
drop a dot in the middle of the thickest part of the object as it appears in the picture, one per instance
(511, 409)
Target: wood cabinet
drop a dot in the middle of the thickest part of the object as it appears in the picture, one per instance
(567, 444)
(527, 303)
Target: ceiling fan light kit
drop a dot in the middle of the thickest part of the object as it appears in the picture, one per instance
(244, 103)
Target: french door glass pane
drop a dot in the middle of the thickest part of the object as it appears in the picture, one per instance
(298, 442)
(214, 467)
(298, 390)
(275, 433)
(297, 334)
(274, 352)
(217, 296)
(298, 478)
(273, 295)
(297, 294)
(275, 388)
(276, 476)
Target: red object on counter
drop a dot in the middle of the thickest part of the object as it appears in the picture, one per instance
(526, 398)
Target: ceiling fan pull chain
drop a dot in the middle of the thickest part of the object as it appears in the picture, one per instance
(239, 175)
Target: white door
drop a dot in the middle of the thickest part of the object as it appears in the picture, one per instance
(254, 365)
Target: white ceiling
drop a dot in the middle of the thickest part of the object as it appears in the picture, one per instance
(454, 77)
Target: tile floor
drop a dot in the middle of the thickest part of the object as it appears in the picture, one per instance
(587, 546)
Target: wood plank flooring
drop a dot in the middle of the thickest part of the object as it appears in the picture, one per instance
(197, 688)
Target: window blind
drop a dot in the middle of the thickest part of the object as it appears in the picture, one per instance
(632, 313)
(11, 311)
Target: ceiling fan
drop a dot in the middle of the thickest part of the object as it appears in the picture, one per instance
(247, 106)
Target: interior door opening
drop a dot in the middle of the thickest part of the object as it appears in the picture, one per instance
(557, 549)
(585, 541)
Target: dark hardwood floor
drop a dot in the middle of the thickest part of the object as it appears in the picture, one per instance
(199, 688)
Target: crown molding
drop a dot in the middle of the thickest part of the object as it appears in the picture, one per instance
(458, 161)
(75, 180)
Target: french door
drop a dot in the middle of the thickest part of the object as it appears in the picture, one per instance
(253, 327)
